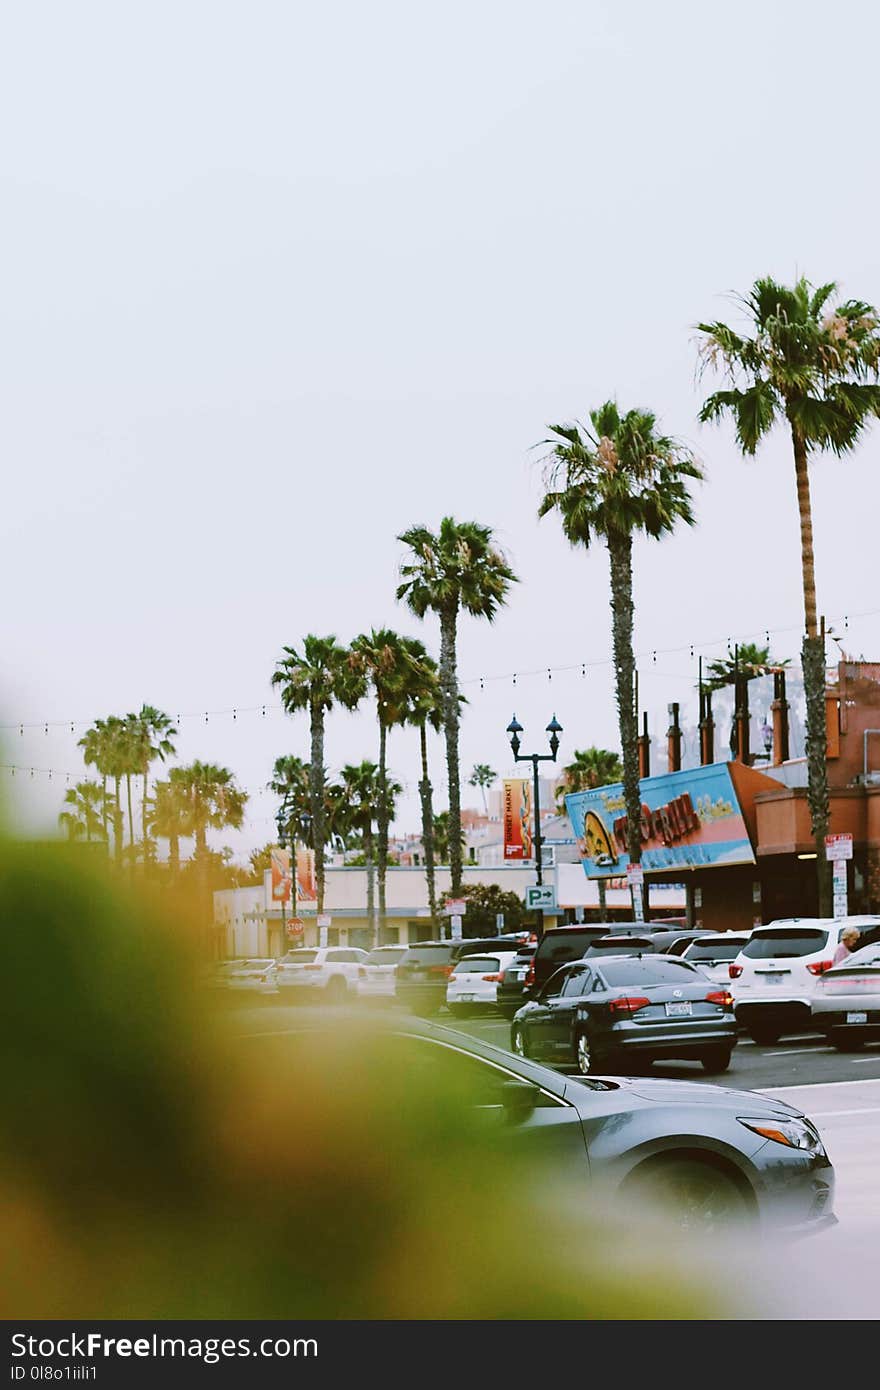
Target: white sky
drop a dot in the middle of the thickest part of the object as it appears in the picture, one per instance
(282, 279)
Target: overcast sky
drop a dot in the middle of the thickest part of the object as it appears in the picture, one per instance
(282, 279)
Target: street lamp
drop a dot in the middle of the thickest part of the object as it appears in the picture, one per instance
(554, 729)
(281, 826)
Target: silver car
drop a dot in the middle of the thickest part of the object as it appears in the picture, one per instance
(846, 1001)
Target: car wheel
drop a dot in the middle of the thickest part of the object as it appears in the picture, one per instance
(716, 1059)
(695, 1196)
(587, 1059)
(518, 1042)
(763, 1034)
(335, 990)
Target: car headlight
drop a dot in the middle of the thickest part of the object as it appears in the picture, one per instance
(794, 1134)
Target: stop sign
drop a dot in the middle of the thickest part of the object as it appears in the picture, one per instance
(295, 927)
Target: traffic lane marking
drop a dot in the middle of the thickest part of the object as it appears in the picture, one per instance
(796, 1051)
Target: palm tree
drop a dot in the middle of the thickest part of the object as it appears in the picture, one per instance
(441, 836)
(101, 747)
(589, 768)
(87, 813)
(458, 568)
(170, 816)
(212, 800)
(483, 776)
(391, 663)
(152, 735)
(611, 482)
(811, 366)
(290, 781)
(748, 661)
(325, 675)
(360, 782)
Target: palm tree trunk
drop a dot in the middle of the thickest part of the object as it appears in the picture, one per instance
(603, 901)
(117, 823)
(620, 554)
(173, 852)
(813, 661)
(425, 791)
(449, 699)
(382, 819)
(316, 793)
(371, 883)
(104, 810)
(130, 817)
(144, 820)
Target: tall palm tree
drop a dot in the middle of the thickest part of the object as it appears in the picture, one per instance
(483, 776)
(360, 782)
(812, 366)
(424, 708)
(589, 768)
(391, 663)
(153, 735)
(100, 745)
(86, 815)
(609, 483)
(170, 814)
(460, 568)
(212, 800)
(324, 675)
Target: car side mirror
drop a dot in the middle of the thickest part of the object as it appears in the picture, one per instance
(519, 1099)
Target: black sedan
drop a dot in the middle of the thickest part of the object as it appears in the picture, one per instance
(715, 1158)
(594, 1013)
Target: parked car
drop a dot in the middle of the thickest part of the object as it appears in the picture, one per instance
(376, 976)
(714, 951)
(328, 970)
(517, 980)
(716, 1158)
(774, 976)
(593, 1014)
(562, 944)
(423, 974)
(256, 976)
(676, 942)
(473, 984)
(846, 1001)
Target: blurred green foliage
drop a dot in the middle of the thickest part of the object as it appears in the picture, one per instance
(160, 1157)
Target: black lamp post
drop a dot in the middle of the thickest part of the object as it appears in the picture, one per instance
(554, 729)
(281, 826)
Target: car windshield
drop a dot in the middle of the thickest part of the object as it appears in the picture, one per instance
(785, 943)
(650, 971)
(476, 965)
(255, 964)
(299, 957)
(386, 955)
(715, 950)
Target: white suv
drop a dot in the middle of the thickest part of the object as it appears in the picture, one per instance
(331, 971)
(774, 976)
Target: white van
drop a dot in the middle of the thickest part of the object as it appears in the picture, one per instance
(774, 976)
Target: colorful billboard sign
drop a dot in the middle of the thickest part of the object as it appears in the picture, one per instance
(279, 883)
(281, 878)
(690, 820)
(518, 819)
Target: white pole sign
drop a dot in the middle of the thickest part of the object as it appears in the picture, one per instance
(455, 922)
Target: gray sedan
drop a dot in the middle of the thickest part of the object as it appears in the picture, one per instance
(846, 1001)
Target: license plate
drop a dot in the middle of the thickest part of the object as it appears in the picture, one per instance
(857, 1018)
(771, 977)
(419, 975)
(467, 998)
(678, 1010)
(519, 974)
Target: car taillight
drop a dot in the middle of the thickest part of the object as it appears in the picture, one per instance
(734, 971)
(494, 979)
(313, 967)
(362, 972)
(629, 1003)
(446, 970)
(720, 996)
(530, 976)
(818, 967)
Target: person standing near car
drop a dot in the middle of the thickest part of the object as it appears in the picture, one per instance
(848, 943)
